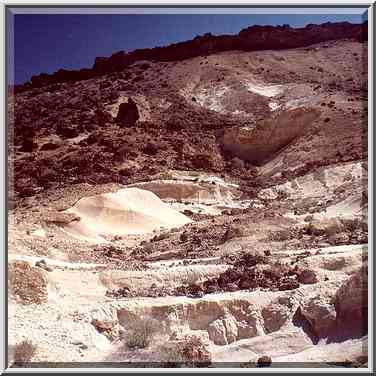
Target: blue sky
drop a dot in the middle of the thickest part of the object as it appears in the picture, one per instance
(48, 42)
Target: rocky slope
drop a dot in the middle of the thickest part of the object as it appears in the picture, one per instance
(207, 209)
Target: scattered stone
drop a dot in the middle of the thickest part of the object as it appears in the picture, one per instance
(233, 232)
(189, 349)
(217, 332)
(42, 264)
(320, 313)
(275, 315)
(28, 145)
(327, 227)
(50, 146)
(338, 239)
(351, 302)
(237, 163)
(183, 237)
(151, 148)
(60, 218)
(82, 345)
(67, 131)
(264, 361)
(307, 277)
(109, 328)
(123, 292)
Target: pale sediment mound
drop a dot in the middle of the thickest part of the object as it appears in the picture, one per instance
(171, 277)
(343, 189)
(129, 211)
(265, 90)
(338, 179)
(190, 191)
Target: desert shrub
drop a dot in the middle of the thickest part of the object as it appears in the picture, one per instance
(28, 284)
(165, 175)
(308, 218)
(172, 357)
(141, 334)
(329, 227)
(278, 269)
(309, 228)
(282, 195)
(24, 352)
(233, 231)
(352, 225)
(187, 352)
(162, 236)
(279, 236)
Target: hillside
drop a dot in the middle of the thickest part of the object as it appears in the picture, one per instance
(221, 191)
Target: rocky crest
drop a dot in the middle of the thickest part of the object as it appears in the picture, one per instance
(250, 39)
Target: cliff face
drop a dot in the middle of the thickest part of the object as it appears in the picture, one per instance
(267, 137)
(250, 39)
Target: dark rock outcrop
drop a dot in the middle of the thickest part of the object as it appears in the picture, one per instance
(28, 145)
(66, 131)
(128, 114)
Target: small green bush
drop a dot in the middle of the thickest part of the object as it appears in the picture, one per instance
(142, 333)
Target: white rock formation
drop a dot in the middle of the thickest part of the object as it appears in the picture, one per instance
(267, 137)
